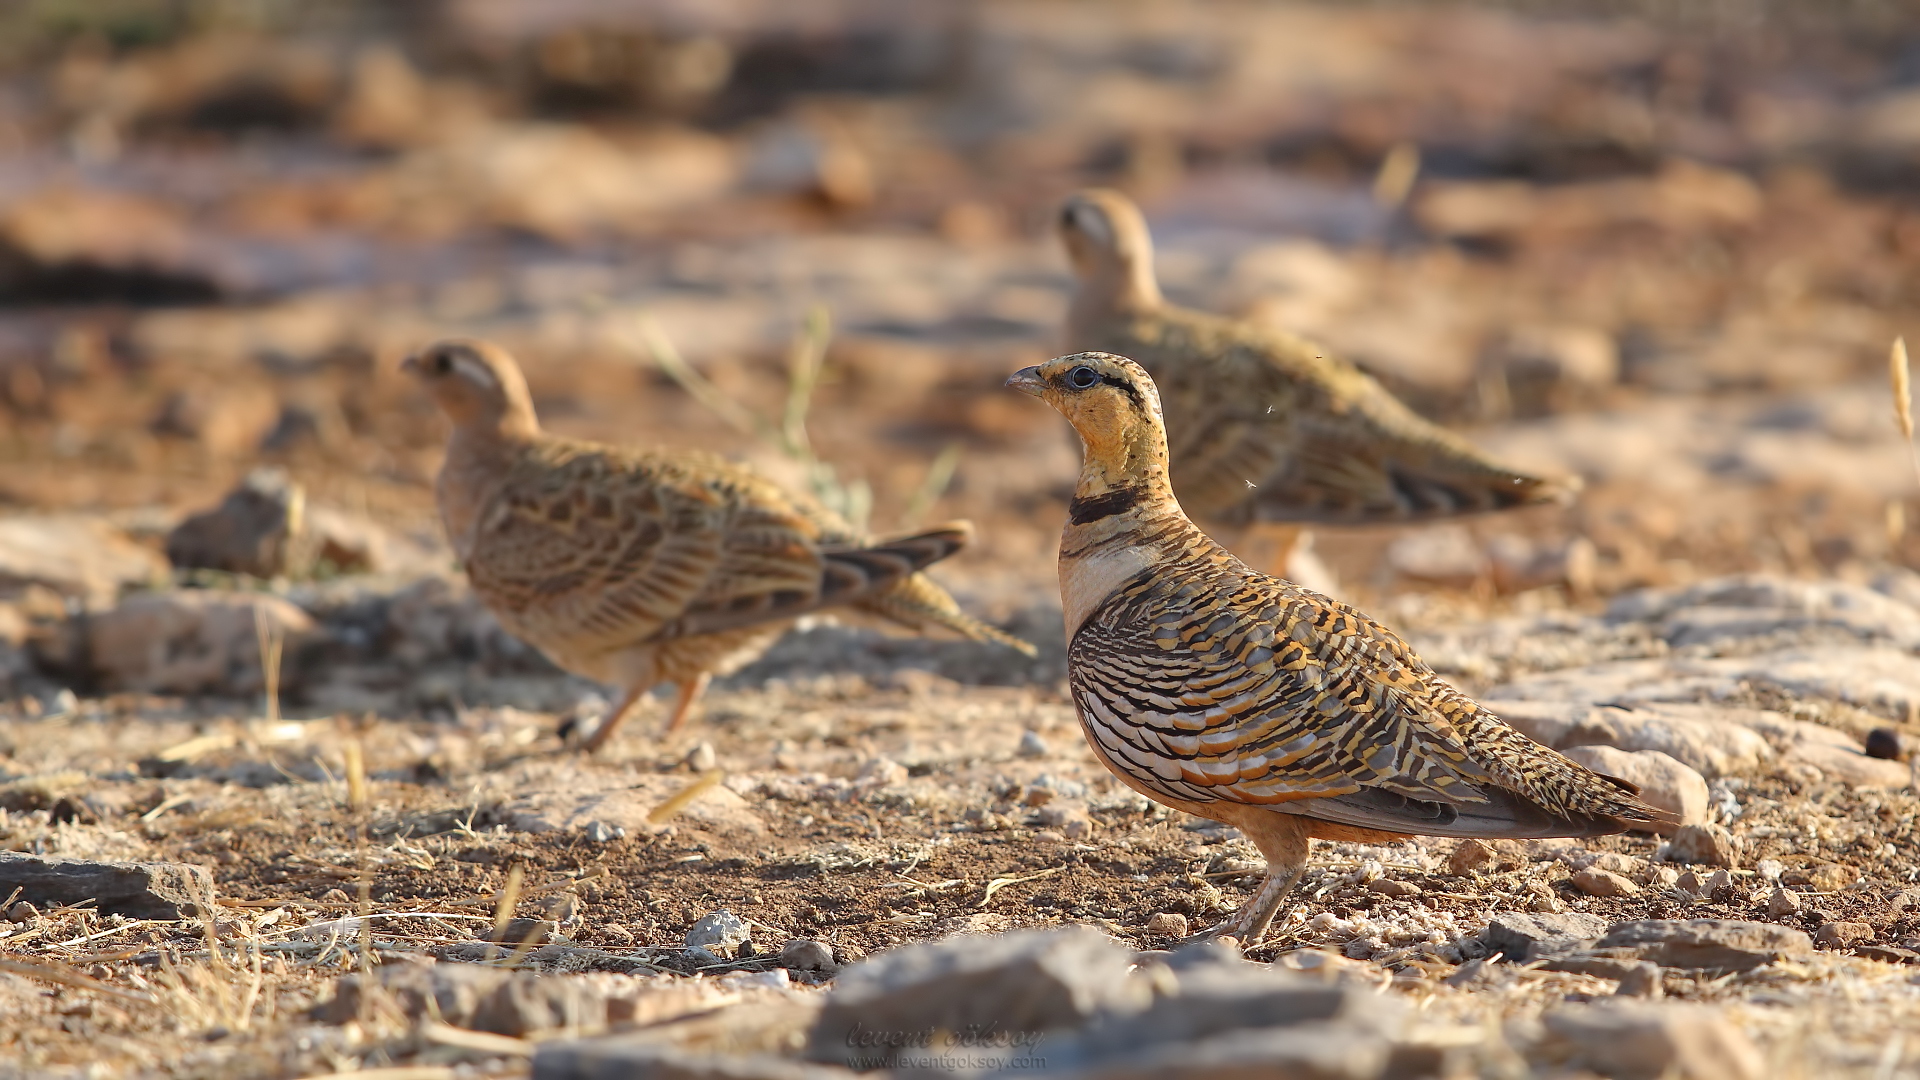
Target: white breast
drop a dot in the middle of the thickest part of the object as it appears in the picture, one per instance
(1087, 581)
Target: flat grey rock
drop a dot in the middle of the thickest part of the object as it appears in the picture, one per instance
(1525, 937)
(620, 1057)
(138, 890)
(1712, 944)
(1012, 986)
(1643, 1042)
(504, 1002)
(1200, 1000)
(1323, 1051)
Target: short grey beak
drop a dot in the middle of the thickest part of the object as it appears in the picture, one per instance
(1028, 381)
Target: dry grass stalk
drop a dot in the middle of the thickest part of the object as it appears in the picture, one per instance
(357, 803)
(272, 642)
(939, 477)
(484, 1041)
(55, 972)
(508, 897)
(1901, 377)
(356, 776)
(851, 499)
(394, 1073)
(679, 800)
(1398, 172)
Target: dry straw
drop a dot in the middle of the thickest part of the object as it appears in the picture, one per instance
(1901, 377)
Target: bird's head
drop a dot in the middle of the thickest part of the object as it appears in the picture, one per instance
(477, 384)
(1112, 402)
(1111, 250)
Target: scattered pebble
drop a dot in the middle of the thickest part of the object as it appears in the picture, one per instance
(1825, 878)
(1032, 745)
(701, 758)
(1709, 845)
(1839, 935)
(599, 832)
(1390, 887)
(1597, 882)
(722, 933)
(806, 954)
(1890, 744)
(1783, 902)
(1168, 924)
(1468, 856)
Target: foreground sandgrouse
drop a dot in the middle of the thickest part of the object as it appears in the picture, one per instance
(1244, 698)
(636, 567)
(1265, 426)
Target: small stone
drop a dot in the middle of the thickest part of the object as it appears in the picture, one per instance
(882, 772)
(1468, 856)
(599, 832)
(21, 912)
(1037, 796)
(1390, 887)
(519, 931)
(806, 954)
(1616, 862)
(1889, 744)
(1597, 882)
(1783, 902)
(1070, 817)
(1691, 884)
(1710, 845)
(258, 529)
(1839, 935)
(1166, 924)
(1770, 869)
(721, 933)
(1032, 745)
(701, 758)
(1825, 878)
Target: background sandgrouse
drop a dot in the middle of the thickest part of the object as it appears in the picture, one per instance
(1244, 698)
(638, 567)
(1264, 426)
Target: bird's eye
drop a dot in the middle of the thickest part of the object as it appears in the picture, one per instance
(1082, 378)
(1066, 217)
(442, 365)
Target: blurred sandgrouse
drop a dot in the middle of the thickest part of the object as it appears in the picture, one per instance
(1244, 698)
(638, 567)
(1264, 426)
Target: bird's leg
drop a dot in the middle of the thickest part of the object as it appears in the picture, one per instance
(1282, 838)
(683, 703)
(614, 716)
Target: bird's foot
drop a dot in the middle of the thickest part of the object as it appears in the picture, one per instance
(1233, 931)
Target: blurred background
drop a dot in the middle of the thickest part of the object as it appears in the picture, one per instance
(1664, 246)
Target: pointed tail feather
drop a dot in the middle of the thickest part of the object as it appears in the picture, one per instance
(919, 603)
(848, 576)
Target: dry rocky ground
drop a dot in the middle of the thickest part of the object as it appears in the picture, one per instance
(280, 799)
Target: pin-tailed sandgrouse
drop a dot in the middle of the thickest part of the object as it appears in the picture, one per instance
(1218, 690)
